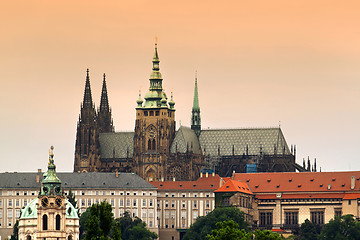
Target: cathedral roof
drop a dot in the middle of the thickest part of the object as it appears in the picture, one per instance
(254, 140)
(116, 145)
(30, 210)
(185, 139)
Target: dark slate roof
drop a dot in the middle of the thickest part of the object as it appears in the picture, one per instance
(116, 145)
(185, 138)
(94, 180)
(266, 138)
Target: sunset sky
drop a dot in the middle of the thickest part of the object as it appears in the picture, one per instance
(259, 63)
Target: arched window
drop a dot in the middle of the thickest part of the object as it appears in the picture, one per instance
(28, 237)
(45, 222)
(57, 222)
(149, 144)
(69, 237)
(153, 144)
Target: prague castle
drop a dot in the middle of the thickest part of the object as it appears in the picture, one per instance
(156, 150)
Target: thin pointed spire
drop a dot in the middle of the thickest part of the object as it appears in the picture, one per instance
(195, 113)
(104, 102)
(196, 95)
(87, 103)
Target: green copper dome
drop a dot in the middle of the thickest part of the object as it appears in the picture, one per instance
(30, 211)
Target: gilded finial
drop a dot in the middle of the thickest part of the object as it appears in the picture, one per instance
(156, 40)
(51, 154)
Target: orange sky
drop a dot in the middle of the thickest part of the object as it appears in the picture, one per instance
(258, 62)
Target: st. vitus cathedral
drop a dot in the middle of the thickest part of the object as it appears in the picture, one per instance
(157, 150)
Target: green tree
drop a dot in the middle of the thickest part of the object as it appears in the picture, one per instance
(15, 235)
(71, 198)
(229, 230)
(134, 229)
(83, 218)
(205, 224)
(266, 235)
(308, 231)
(341, 228)
(99, 221)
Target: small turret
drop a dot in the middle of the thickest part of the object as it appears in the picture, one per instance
(139, 101)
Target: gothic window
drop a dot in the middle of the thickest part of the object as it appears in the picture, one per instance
(45, 222)
(58, 222)
(149, 144)
(69, 237)
(153, 145)
(28, 237)
(151, 113)
(145, 113)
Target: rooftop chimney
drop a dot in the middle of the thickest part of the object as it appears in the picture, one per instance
(329, 186)
(162, 179)
(173, 179)
(117, 174)
(213, 174)
(39, 170)
(352, 182)
(201, 175)
(207, 174)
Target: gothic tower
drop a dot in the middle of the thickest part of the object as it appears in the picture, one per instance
(87, 156)
(104, 119)
(154, 128)
(195, 113)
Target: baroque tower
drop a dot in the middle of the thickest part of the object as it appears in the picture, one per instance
(87, 137)
(195, 113)
(154, 128)
(50, 216)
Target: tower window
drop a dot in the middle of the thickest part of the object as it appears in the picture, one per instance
(58, 222)
(45, 222)
(151, 113)
(145, 113)
(149, 144)
(157, 113)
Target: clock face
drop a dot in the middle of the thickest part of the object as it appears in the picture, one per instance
(58, 201)
(44, 202)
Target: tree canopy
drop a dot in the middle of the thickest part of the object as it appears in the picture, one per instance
(344, 227)
(71, 198)
(205, 224)
(308, 231)
(98, 223)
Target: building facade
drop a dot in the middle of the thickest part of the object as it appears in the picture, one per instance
(156, 150)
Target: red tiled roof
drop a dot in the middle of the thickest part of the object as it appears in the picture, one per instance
(349, 196)
(301, 196)
(300, 182)
(235, 186)
(204, 183)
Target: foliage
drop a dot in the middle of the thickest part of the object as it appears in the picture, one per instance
(344, 227)
(228, 230)
(308, 231)
(99, 221)
(71, 198)
(83, 218)
(15, 235)
(205, 224)
(133, 229)
(266, 235)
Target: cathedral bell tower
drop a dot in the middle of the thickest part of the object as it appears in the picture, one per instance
(154, 128)
(87, 156)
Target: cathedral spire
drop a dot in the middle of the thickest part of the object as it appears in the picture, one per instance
(87, 103)
(195, 116)
(104, 119)
(104, 102)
